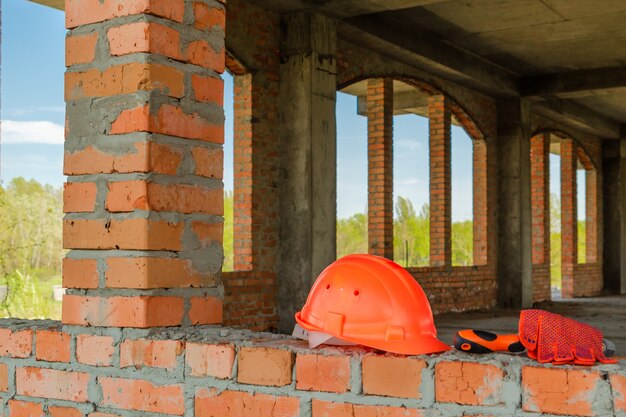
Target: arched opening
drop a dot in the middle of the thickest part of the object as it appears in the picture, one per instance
(414, 131)
(564, 216)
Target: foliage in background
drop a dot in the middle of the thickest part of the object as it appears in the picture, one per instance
(30, 249)
(228, 232)
(411, 236)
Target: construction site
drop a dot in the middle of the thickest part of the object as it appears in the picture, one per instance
(151, 325)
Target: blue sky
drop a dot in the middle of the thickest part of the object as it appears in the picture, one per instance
(33, 116)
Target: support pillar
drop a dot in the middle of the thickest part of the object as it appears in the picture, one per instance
(309, 188)
(380, 166)
(569, 220)
(614, 204)
(440, 181)
(143, 155)
(514, 210)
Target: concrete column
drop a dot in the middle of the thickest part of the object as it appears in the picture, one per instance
(614, 204)
(309, 187)
(514, 211)
(380, 166)
(569, 221)
(440, 181)
(144, 198)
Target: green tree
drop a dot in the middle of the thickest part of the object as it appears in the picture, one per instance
(228, 232)
(411, 234)
(463, 243)
(30, 248)
(352, 235)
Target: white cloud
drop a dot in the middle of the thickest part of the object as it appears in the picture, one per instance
(408, 144)
(32, 132)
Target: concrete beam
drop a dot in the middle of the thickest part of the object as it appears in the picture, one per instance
(574, 84)
(55, 4)
(341, 9)
(578, 117)
(308, 191)
(514, 208)
(421, 49)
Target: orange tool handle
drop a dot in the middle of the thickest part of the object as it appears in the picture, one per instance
(479, 341)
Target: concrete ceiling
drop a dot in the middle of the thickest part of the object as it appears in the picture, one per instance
(567, 56)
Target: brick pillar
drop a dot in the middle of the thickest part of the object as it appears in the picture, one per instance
(591, 206)
(480, 201)
(440, 181)
(380, 166)
(143, 155)
(242, 162)
(540, 198)
(569, 229)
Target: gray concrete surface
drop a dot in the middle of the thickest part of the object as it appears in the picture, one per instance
(606, 313)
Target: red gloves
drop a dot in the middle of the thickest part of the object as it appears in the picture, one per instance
(553, 338)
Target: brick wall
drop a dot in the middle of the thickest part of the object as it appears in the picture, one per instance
(252, 41)
(48, 370)
(143, 158)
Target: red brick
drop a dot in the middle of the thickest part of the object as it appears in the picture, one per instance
(201, 53)
(208, 233)
(142, 312)
(208, 89)
(150, 353)
(206, 310)
(25, 409)
(124, 79)
(126, 196)
(209, 162)
(79, 197)
(330, 409)
(83, 12)
(559, 391)
(169, 120)
(323, 373)
(144, 37)
(80, 49)
(4, 377)
(392, 376)
(92, 161)
(618, 386)
(95, 350)
(52, 346)
(210, 360)
(18, 344)
(64, 412)
(147, 273)
(52, 384)
(207, 17)
(80, 273)
(139, 395)
(210, 403)
(141, 234)
(468, 383)
(264, 366)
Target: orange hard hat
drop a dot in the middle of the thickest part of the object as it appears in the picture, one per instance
(374, 302)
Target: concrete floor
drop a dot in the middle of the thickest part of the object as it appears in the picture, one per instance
(606, 313)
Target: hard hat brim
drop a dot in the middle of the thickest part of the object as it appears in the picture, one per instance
(427, 344)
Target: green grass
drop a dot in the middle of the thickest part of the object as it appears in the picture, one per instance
(30, 297)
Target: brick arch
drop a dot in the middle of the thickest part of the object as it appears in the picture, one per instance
(581, 149)
(234, 65)
(464, 117)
